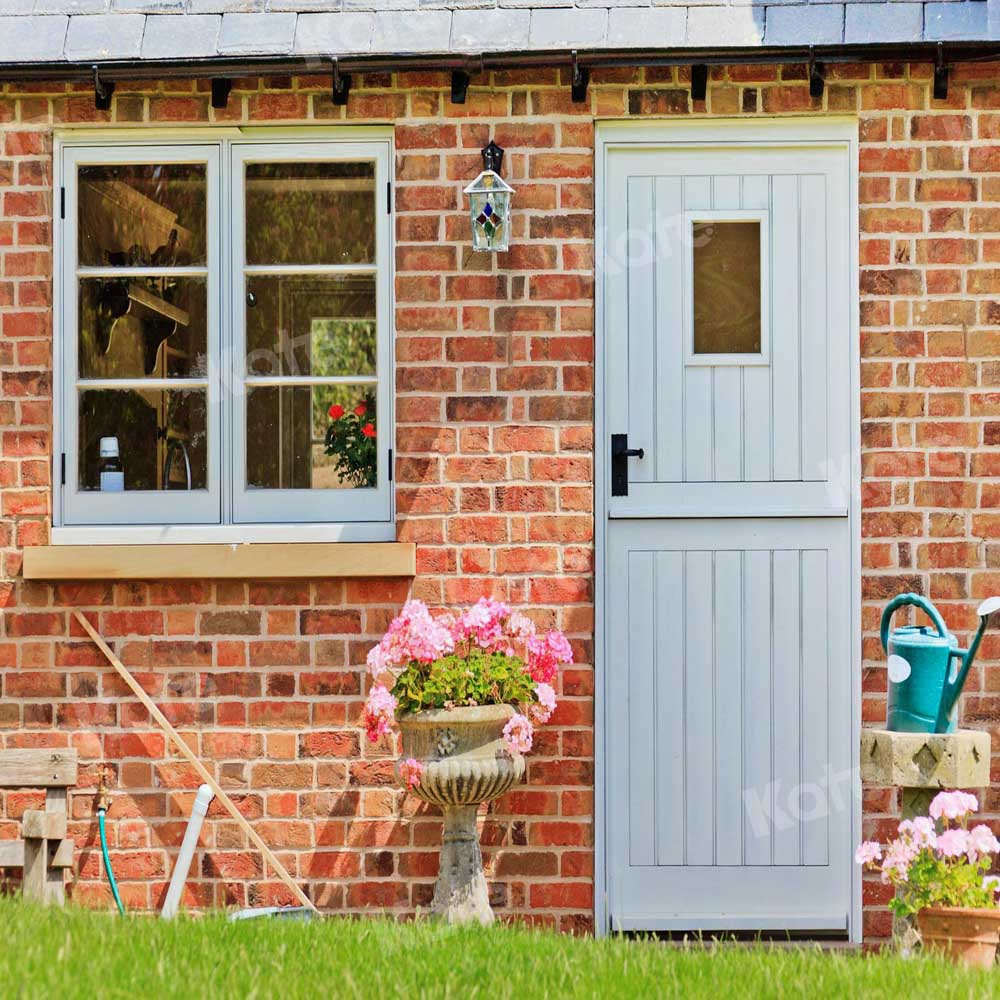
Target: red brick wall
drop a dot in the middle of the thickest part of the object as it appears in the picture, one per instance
(494, 379)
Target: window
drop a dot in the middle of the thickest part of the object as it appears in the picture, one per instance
(727, 265)
(225, 356)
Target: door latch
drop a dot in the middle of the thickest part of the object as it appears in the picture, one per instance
(620, 454)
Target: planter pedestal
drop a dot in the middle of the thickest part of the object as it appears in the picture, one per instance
(921, 765)
(465, 763)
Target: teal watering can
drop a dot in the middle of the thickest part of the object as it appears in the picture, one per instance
(924, 684)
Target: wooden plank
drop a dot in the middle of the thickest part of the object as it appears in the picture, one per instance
(37, 768)
(757, 378)
(36, 864)
(60, 854)
(56, 809)
(757, 722)
(188, 754)
(728, 680)
(43, 825)
(786, 384)
(270, 560)
(699, 703)
(642, 759)
(640, 343)
(669, 760)
(153, 302)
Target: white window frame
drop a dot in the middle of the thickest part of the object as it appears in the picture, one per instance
(761, 216)
(354, 515)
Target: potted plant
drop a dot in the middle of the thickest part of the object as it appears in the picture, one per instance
(351, 442)
(467, 691)
(938, 867)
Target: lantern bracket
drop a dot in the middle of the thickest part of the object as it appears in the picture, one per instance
(492, 157)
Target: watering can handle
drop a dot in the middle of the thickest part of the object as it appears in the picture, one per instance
(918, 602)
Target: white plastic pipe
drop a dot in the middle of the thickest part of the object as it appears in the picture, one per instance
(201, 803)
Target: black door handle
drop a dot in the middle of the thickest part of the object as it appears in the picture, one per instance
(620, 454)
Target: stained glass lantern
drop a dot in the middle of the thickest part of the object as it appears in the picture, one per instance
(489, 204)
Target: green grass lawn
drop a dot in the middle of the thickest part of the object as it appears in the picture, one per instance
(71, 953)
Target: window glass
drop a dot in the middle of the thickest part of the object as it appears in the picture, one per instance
(726, 291)
(161, 439)
(310, 213)
(312, 437)
(142, 215)
(142, 327)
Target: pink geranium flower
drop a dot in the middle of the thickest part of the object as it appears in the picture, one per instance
(379, 713)
(953, 842)
(546, 653)
(981, 841)
(518, 734)
(413, 635)
(953, 805)
(541, 711)
(868, 852)
(411, 771)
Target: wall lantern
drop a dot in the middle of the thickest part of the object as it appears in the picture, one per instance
(489, 204)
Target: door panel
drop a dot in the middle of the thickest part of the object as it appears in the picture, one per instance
(728, 561)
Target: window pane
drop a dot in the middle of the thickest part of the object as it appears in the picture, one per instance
(310, 325)
(150, 426)
(136, 327)
(310, 213)
(311, 437)
(145, 215)
(726, 287)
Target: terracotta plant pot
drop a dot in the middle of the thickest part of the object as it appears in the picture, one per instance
(465, 763)
(965, 935)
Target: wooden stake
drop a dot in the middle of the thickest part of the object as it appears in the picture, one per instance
(186, 752)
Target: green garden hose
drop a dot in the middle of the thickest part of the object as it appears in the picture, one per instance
(107, 861)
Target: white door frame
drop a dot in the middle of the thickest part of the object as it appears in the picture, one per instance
(721, 133)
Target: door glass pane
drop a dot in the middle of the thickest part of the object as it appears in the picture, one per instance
(726, 287)
(143, 327)
(161, 436)
(310, 213)
(311, 437)
(142, 215)
(310, 325)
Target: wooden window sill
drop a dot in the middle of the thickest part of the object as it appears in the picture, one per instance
(256, 560)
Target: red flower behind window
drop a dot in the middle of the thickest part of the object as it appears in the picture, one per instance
(368, 430)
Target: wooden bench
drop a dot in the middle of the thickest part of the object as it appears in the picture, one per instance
(44, 852)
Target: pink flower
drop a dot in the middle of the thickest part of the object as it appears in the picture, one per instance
(982, 841)
(413, 635)
(546, 653)
(953, 842)
(483, 623)
(379, 713)
(868, 853)
(520, 626)
(919, 831)
(411, 771)
(518, 733)
(896, 860)
(953, 805)
(541, 711)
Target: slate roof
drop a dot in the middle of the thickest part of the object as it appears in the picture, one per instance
(79, 31)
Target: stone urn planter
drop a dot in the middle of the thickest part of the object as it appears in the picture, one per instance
(965, 935)
(465, 763)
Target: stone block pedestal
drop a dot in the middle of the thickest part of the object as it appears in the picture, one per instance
(921, 765)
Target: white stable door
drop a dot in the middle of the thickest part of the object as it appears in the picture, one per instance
(728, 556)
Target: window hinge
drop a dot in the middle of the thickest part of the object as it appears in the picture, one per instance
(62, 468)
(62, 203)
(388, 197)
(390, 465)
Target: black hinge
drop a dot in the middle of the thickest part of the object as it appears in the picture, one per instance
(62, 468)
(388, 197)
(62, 203)
(390, 465)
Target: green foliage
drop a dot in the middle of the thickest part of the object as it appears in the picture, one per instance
(355, 453)
(476, 678)
(49, 952)
(933, 881)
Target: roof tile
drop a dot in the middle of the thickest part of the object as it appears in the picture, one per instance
(38, 38)
(257, 34)
(419, 31)
(872, 22)
(661, 26)
(567, 29)
(812, 24)
(104, 36)
(490, 30)
(169, 37)
(955, 21)
(334, 34)
(708, 26)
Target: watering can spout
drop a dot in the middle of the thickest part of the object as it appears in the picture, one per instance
(953, 688)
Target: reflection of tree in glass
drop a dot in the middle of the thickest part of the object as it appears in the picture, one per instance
(310, 213)
(342, 346)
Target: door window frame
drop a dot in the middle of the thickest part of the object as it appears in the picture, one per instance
(370, 517)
